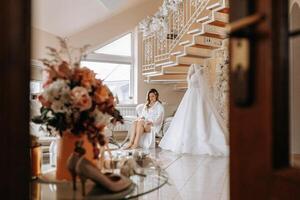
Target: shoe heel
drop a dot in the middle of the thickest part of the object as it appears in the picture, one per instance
(83, 180)
(74, 180)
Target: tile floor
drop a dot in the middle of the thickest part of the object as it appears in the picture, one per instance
(190, 177)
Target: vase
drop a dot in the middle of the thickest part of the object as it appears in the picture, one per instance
(36, 161)
(65, 147)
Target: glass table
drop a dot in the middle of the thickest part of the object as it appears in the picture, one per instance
(155, 178)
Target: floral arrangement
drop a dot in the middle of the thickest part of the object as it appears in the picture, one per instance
(73, 99)
(160, 19)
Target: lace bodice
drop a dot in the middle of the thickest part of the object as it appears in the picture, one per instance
(195, 76)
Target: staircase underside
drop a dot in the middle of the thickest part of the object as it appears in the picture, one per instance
(196, 46)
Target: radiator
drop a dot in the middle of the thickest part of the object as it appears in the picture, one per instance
(125, 110)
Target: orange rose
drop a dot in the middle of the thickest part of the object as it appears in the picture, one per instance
(44, 102)
(85, 76)
(63, 70)
(101, 94)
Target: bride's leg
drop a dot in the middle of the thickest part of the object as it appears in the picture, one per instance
(139, 131)
(132, 133)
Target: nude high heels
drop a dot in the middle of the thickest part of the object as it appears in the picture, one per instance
(87, 170)
(71, 165)
(73, 159)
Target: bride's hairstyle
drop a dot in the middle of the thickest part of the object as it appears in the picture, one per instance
(154, 91)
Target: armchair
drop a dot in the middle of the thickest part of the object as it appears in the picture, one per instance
(166, 123)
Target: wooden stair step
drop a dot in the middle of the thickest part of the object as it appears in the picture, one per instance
(203, 16)
(175, 70)
(177, 50)
(195, 28)
(173, 64)
(218, 19)
(214, 4)
(224, 8)
(180, 86)
(221, 17)
(147, 70)
(158, 73)
(211, 30)
(214, 31)
(151, 73)
(186, 39)
(208, 42)
(188, 60)
(162, 63)
(197, 51)
(191, 60)
(168, 78)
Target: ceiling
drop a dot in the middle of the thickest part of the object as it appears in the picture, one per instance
(67, 17)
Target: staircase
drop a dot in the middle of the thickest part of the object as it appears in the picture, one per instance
(196, 31)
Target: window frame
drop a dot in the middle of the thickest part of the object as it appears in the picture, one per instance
(117, 59)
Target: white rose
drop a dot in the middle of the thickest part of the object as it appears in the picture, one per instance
(81, 99)
(100, 118)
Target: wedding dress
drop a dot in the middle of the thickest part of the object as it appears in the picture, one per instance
(196, 127)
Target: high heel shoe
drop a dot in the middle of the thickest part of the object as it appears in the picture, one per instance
(71, 165)
(87, 170)
(73, 159)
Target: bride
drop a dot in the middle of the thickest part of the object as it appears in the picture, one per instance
(196, 127)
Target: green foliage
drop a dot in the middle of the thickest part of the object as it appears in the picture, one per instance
(51, 119)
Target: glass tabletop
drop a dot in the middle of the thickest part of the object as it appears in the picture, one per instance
(154, 178)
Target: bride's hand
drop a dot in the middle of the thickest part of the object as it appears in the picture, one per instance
(149, 123)
(141, 118)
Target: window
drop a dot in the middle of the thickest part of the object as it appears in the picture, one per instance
(35, 87)
(121, 47)
(113, 64)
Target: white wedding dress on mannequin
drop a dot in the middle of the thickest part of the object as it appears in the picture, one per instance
(196, 127)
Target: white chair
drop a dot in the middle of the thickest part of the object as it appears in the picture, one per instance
(147, 140)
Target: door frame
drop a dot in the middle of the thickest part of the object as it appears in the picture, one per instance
(259, 133)
(15, 17)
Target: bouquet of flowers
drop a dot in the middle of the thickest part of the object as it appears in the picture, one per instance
(73, 99)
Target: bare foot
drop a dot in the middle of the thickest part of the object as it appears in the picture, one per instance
(134, 146)
(128, 146)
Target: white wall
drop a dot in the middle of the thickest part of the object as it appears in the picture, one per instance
(39, 41)
(109, 30)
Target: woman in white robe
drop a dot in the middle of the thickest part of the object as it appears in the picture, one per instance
(149, 123)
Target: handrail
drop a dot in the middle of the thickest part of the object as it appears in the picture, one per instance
(158, 44)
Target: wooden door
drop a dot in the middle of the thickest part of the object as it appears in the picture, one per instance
(259, 106)
(14, 99)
